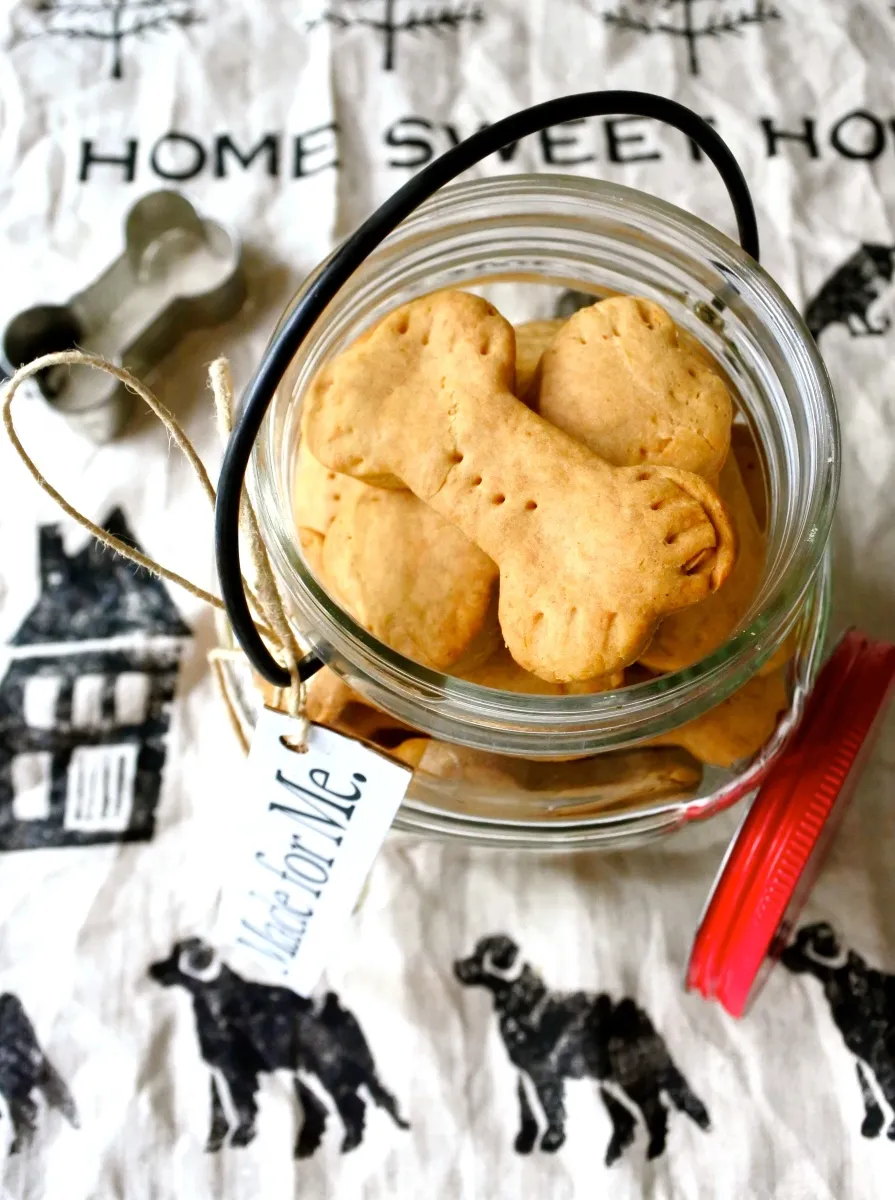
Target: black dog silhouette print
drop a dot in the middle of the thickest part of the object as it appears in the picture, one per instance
(553, 1036)
(86, 703)
(25, 1073)
(849, 294)
(246, 1029)
(862, 1004)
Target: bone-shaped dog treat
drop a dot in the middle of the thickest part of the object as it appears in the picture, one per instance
(586, 786)
(685, 637)
(317, 492)
(591, 556)
(738, 727)
(331, 702)
(689, 635)
(622, 378)
(444, 760)
(412, 579)
(532, 339)
(501, 671)
(311, 543)
(328, 696)
(623, 778)
(742, 444)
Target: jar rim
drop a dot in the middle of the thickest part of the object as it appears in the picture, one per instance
(485, 717)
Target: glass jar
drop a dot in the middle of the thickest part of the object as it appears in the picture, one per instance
(557, 232)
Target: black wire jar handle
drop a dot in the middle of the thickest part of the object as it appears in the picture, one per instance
(346, 260)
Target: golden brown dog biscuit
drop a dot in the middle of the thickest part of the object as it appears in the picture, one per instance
(738, 727)
(412, 750)
(311, 543)
(444, 760)
(532, 339)
(782, 656)
(317, 491)
(591, 556)
(689, 635)
(570, 788)
(742, 443)
(327, 697)
(501, 671)
(745, 450)
(412, 579)
(619, 377)
(370, 725)
(622, 779)
(331, 702)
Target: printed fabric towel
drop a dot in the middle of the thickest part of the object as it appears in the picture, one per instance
(290, 120)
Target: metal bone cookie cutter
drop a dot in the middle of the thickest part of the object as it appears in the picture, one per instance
(178, 272)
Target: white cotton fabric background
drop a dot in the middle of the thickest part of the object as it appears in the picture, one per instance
(80, 926)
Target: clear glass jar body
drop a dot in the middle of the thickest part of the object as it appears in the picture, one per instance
(535, 232)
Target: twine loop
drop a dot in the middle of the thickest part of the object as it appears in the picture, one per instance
(266, 602)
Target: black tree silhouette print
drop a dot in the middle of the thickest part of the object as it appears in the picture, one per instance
(690, 21)
(112, 21)
(390, 18)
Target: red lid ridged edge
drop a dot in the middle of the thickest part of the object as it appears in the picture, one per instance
(771, 858)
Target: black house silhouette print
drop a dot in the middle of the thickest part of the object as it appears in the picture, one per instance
(85, 703)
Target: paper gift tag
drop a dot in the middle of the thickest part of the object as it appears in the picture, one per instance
(314, 823)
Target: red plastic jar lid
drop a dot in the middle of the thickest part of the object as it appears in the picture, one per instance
(773, 861)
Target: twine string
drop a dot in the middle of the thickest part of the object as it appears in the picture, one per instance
(167, 418)
(265, 580)
(267, 601)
